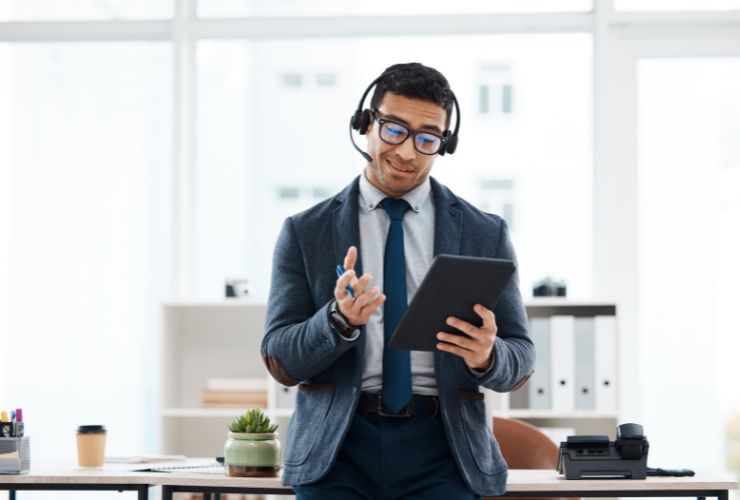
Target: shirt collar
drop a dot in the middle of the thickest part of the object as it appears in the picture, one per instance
(371, 196)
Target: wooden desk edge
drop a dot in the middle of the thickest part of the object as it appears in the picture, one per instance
(522, 481)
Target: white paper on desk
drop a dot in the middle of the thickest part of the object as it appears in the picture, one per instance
(187, 467)
(145, 459)
(193, 469)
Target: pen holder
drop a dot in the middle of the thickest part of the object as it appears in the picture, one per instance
(15, 455)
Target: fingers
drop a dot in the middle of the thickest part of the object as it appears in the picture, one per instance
(476, 348)
(366, 300)
(476, 332)
(358, 286)
(461, 341)
(454, 349)
(340, 290)
(367, 310)
(351, 258)
(489, 319)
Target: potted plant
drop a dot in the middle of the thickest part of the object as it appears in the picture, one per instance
(252, 448)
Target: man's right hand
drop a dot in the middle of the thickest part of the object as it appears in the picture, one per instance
(357, 310)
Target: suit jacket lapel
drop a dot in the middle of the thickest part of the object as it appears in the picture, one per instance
(448, 221)
(447, 239)
(347, 225)
(347, 233)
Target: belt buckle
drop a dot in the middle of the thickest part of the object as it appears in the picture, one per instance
(381, 410)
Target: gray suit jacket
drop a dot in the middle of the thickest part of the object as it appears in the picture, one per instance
(299, 346)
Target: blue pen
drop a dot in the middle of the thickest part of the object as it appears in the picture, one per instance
(340, 271)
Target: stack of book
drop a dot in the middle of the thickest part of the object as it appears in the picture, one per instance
(235, 392)
(15, 455)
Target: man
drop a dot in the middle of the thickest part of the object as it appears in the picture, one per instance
(371, 421)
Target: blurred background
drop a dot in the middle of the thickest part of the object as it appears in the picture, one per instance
(150, 150)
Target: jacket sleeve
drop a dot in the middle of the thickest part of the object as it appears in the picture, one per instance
(298, 342)
(513, 350)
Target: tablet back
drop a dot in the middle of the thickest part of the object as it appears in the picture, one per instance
(451, 287)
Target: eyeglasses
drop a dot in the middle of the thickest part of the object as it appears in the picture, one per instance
(392, 132)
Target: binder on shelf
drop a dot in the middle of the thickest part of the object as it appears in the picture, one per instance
(584, 363)
(539, 386)
(605, 347)
(562, 361)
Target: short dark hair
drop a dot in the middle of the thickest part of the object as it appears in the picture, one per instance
(416, 81)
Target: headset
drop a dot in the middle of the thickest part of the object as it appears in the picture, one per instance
(360, 121)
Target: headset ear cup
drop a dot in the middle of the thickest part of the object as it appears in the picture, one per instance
(364, 122)
(355, 121)
(451, 145)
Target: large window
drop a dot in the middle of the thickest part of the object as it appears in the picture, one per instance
(273, 140)
(689, 164)
(86, 236)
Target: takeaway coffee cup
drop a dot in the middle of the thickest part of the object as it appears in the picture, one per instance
(90, 445)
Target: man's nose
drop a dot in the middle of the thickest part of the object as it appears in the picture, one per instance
(406, 150)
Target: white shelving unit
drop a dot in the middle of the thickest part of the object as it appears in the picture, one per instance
(202, 340)
(222, 339)
(559, 423)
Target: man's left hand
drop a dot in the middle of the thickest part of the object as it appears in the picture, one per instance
(477, 348)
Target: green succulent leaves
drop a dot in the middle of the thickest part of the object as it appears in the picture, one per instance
(254, 422)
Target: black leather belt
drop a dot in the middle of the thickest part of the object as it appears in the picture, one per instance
(419, 406)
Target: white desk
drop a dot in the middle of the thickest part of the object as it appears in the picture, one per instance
(64, 475)
(521, 483)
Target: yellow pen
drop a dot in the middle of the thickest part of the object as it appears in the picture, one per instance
(4, 416)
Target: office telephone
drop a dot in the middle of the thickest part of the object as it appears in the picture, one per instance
(595, 457)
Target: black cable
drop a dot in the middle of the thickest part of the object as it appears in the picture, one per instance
(669, 472)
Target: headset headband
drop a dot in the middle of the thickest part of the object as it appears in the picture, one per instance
(360, 121)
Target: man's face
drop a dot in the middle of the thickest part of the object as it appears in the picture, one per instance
(398, 169)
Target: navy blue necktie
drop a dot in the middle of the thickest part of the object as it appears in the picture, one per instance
(396, 362)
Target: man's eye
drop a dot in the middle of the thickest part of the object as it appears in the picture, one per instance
(395, 131)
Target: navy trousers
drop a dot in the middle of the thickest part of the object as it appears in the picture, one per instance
(386, 458)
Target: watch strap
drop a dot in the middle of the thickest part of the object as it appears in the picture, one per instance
(339, 321)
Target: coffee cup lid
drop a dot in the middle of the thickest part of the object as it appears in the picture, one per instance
(90, 429)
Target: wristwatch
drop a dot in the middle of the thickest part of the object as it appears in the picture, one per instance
(339, 322)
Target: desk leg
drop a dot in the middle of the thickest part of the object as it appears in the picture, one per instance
(11, 494)
(166, 492)
(143, 492)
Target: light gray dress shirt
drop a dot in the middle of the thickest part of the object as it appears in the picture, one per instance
(418, 240)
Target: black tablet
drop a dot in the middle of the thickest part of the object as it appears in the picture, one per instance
(451, 287)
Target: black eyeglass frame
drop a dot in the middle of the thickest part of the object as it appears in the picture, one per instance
(411, 133)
